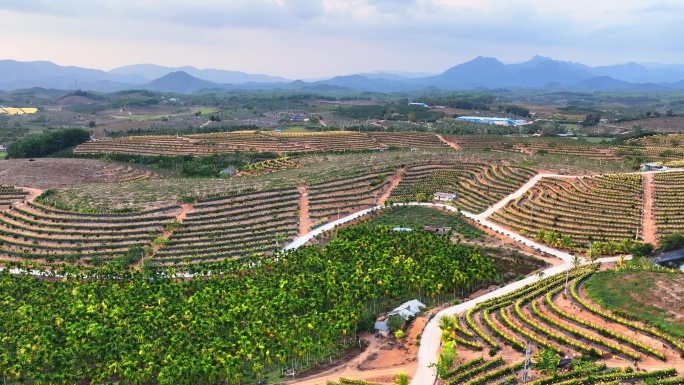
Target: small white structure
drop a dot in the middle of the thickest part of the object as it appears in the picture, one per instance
(404, 229)
(445, 197)
(652, 167)
(408, 309)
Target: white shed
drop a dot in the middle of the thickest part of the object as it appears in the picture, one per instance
(407, 309)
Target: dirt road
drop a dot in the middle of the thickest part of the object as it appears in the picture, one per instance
(453, 145)
(648, 223)
(304, 219)
(395, 182)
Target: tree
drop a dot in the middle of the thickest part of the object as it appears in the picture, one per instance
(401, 379)
(576, 261)
(47, 143)
(591, 120)
(395, 322)
(546, 361)
(446, 359)
(541, 275)
(92, 124)
(672, 241)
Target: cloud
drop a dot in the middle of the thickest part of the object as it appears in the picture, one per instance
(199, 13)
(347, 35)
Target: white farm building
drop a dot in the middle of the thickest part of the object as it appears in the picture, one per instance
(407, 309)
(495, 121)
(446, 197)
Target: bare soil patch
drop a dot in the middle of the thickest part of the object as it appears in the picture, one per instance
(45, 173)
(380, 362)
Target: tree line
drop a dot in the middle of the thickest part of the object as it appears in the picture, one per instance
(47, 143)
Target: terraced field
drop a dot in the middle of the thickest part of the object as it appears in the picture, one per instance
(46, 173)
(328, 140)
(339, 197)
(476, 186)
(10, 194)
(214, 143)
(571, 213)
(268, 166)
(234, 226)
(564, 147)
(669, 202)
(36, 231)
(409, 140)
(533, 145)
(656, 147)
(553, 316)
(483, 142)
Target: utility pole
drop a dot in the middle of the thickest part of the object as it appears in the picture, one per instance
(526, 366)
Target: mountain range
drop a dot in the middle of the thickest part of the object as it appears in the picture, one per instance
(482, 72)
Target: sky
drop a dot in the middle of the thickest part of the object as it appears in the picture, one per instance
(306, 39)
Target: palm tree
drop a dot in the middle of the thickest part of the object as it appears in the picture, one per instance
(566, 242)
(576, 261)
(445, 323)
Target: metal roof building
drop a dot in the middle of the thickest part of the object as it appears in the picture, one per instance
(407, 309)
(488, 120)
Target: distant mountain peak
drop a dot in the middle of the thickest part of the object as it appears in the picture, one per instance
(180, 82)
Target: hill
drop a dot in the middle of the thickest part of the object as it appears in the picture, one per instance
(179, 82)
(153, 71)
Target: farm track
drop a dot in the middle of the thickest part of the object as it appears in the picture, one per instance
(395, 182)
(304, 219)
(451, 144)
(185, 209)
(649, 224)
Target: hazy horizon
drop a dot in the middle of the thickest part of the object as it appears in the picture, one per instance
(305, 39)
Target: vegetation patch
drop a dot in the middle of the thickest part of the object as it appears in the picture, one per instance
(47, 143)
(651, 297)
(251, 319)
(417, 217)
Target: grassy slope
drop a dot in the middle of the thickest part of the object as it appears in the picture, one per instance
(644, 296)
